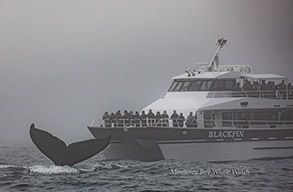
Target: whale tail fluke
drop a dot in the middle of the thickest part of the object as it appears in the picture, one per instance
(80, 151)
(56, 150)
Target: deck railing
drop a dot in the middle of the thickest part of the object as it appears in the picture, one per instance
(257, 94)
(205, 123)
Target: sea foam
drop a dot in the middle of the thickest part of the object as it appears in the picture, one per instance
(109, 165)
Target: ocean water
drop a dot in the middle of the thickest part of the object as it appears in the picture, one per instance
(26, 169)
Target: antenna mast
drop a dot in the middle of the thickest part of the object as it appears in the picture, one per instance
(214, 64)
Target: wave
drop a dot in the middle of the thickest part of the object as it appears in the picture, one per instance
(6, 166)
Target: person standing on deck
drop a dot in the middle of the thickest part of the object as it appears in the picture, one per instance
(131, 118)
(190, 121)
(181, 120)
(106, 118)
(165, 118)
(113, 120)
(282, 89)
(119, 119)
(151, 118)
(137, 119)
(158, 119)
(126, 118)
(143, 118)
(174, 118)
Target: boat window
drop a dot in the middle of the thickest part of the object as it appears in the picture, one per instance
(265, 115)
(223, 85)
(230, 84)
(173, 86)
(177, 88)
(202, 85)
(227, 118)
(185, 86)
(260, 118)
(243, 116)
(205, 86)
(286, 116)
(218, 85)
(194, 86)
(209, 118)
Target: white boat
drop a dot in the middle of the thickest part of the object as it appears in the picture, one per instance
(236, 120)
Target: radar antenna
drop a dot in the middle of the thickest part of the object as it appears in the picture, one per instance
(214, 64)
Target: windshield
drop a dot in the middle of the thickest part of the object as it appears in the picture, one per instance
(202, 85)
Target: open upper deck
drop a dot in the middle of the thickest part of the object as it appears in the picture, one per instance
(229, 75)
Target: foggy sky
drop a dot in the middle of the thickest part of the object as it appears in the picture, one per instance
(63, 63)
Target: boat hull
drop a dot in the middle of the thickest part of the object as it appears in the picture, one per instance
(227, 151)
(196, 144)
(140, 150)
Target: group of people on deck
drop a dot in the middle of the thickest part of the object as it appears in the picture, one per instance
(150, 119)
(267, 87)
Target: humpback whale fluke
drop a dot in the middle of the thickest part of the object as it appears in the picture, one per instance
(56, 150)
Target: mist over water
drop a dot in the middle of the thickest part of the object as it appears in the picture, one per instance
(62, 64)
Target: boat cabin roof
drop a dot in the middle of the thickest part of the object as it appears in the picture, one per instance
(263, 76)
(210, 75)
(229, 75)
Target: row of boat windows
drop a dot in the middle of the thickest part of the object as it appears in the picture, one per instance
(256, 118)
(203, 85)
(259, 115)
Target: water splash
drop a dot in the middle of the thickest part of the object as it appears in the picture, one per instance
(109, 165)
